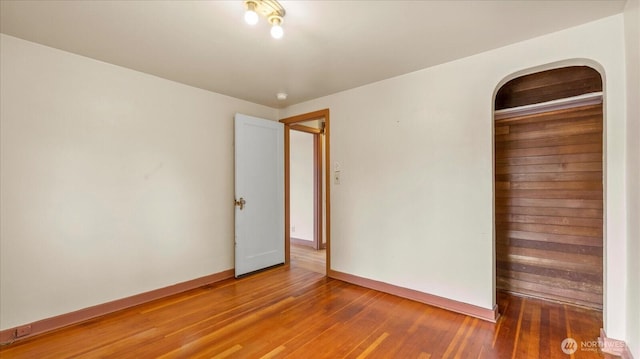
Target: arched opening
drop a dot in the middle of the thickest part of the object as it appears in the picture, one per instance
(548, 138)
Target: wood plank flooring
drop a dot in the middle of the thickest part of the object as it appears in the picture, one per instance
(308, 258)
(290, 312)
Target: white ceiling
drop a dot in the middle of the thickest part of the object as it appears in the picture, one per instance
(328, 46)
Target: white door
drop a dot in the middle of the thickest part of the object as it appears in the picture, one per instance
(259, 191)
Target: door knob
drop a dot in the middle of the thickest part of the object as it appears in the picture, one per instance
(240, 203)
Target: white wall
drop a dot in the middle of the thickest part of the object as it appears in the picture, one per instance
(301, 185)
(632, 33)
(114, 182)
(415, 203)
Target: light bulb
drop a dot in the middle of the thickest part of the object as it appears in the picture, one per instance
(277, 31)
(251, 17)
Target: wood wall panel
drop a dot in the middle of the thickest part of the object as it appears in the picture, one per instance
(548, 85)
(549, 205)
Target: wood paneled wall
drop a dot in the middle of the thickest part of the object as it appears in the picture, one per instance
(549, 205)
(548, 85)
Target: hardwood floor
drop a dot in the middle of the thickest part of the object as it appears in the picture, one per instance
(308, 258)
(290, 312)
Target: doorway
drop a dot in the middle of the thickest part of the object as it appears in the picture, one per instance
(307, 204)
(548, 138)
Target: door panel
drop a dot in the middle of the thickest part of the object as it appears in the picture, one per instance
(259, 184)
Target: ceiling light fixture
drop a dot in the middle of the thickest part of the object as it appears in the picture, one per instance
(276, 29)
(271, 9)
(251, 16)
